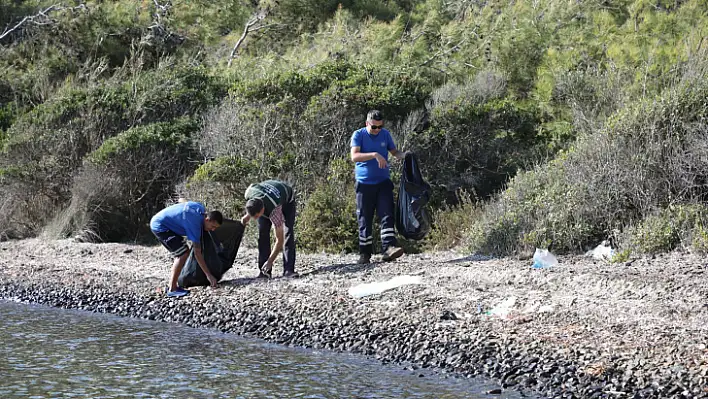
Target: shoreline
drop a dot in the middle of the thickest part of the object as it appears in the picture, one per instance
(634, 330)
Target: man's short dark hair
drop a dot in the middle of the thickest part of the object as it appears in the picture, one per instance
(216, 216)
(374, 115)
(253, 206)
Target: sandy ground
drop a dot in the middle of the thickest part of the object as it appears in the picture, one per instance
(583, 328)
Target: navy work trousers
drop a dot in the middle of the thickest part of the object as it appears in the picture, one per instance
(377, 198)
(264, 227)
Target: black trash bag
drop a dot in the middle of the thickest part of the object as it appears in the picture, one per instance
(413, 220)
(219, 248)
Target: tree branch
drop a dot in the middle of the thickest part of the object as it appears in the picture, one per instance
(41, 18)
(253, 24)
(439, 54)
(161, 10)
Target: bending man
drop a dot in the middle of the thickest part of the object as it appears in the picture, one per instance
(272, 202)
(171, 224)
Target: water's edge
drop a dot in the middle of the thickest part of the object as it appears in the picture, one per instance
(245, 322)
(58, 353)
(611, 330)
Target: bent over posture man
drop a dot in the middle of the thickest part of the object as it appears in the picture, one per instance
(370, 146)
(171, 224)
(272, 202)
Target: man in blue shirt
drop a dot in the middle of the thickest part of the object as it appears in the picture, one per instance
(172, 224)
(370, 146)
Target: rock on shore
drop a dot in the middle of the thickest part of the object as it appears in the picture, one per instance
(583, 329)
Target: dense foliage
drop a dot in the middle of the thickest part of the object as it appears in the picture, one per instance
(547, 123)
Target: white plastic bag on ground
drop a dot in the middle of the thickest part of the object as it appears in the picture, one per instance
(601, 252)
(503, 309)
(546, 309)
(362, 290)
(543, 259)
(536, 307)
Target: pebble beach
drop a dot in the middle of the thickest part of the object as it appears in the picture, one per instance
(584, 328)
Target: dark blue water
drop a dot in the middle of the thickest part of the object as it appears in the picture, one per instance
(53, 353)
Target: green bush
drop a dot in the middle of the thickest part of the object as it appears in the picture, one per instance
(128, 179)
(8, 114)
(221, 183)
(328, 222)
(78, 120)
(130, 144)
(480, 90)
(57, 135)
(269, 134)
(49, 143)
(648, 157)
(227, 170)
(675, 227)
(174, 91)
(452, 224)
(345, 102)
(301, 85)
(699, 239)
(655, 234)
(476, 139)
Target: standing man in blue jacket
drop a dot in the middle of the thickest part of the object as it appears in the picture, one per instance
(172, 224)
(370, 146)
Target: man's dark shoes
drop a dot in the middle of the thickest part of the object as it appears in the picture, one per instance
(291, 274)
(392, 253)
(364, 259)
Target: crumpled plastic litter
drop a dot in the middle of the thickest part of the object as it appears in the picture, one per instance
(543, 259)
(601, 252)
(503, 308)
(362, 290)
(537, 308)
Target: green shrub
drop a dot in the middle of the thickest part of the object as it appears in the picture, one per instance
(227, 170)
(621, 256)
(327, 221)
(49, 143)
(130, 144)
(127, 180)
(480, 90)
(345, 102)
(699, 239)
(451, 224)
(221, 183)
(274, 135)
(385, 11)
(475, 139)
(78, 120)
(647, 157)
(655, 234)
(94, 113)
(8, 114)
(675, 227)
(301, 85)
(174, 91)
(57, 135)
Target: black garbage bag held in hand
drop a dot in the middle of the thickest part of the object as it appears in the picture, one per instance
(413, 219)
(219, 248)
